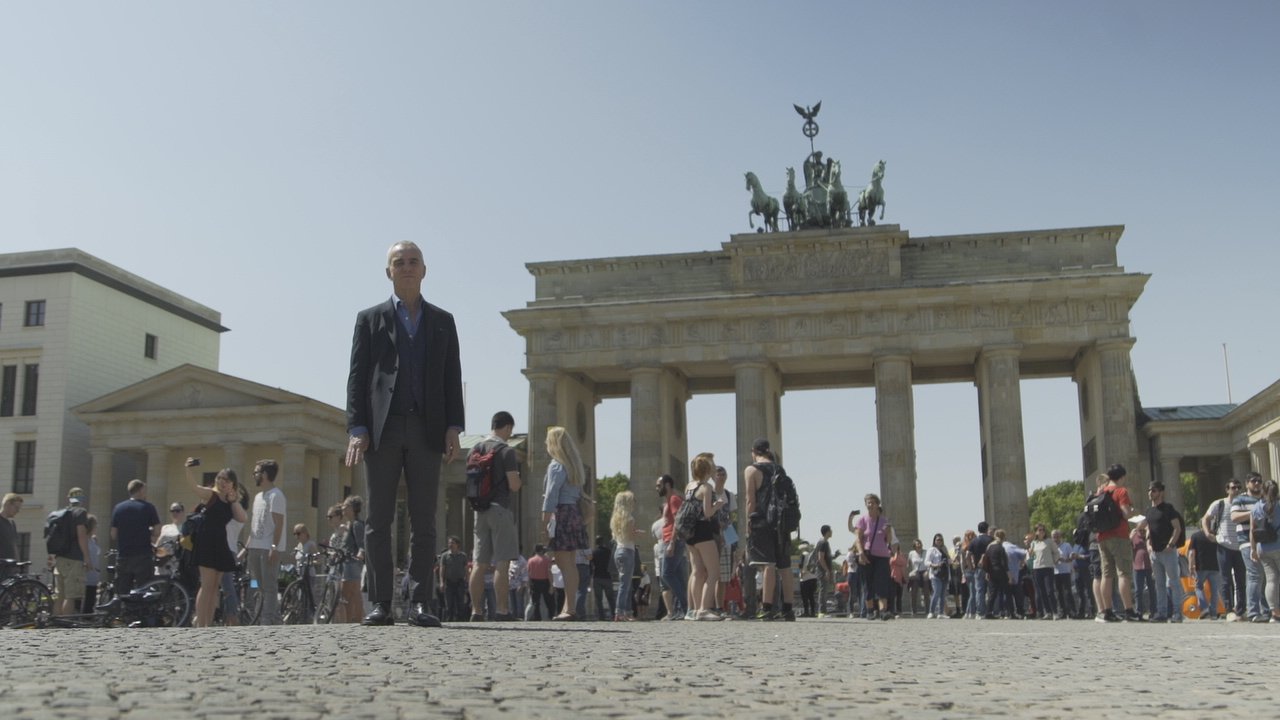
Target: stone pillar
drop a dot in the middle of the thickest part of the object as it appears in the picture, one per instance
(100, 500)
(330, 488)
(233, 457)
(1170, 475)
(1273, 455)
(1119, 422)
(1260, 452)
(757, 388)
(456, 509)
(647, 461)
(295, 482)
(543, 413)
(895, 430)
(1239, 466)
(1004, 456)
(157, 479)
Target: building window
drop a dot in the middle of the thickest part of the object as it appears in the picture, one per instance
(149, 347)
(35, 313)
(315, 492)
(24, 547)
(30, 382)
(24, 466)
(8, 390)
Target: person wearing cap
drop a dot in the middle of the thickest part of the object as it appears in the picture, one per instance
(69, 568)
(135, 527)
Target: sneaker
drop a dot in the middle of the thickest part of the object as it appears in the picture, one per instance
(707, 615)
(1100, 617)
(1159, 619)
(788, 615)
(822, 616)
(886, 616)
(1111, 616)
(1132, 616)
(928, 616)
(1259, 619)
(691, 615)
(769, 615)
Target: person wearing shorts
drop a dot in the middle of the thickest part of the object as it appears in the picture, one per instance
(1116, 553)
(496, 544)
(768, 546)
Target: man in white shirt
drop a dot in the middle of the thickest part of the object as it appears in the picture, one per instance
(267, 539)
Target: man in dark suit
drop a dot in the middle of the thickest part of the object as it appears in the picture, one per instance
(404, 414)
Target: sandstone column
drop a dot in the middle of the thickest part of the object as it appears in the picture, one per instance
(293, 480)
(647, 461)
(895, 429)
(233, 457)
(1119, 424)
(544, 412)
(330, 491)
(100, 500)
(757, 391)
(1239, 467)
(1004, 457)
(157, 479)
(1261, 453)
(1273, 455)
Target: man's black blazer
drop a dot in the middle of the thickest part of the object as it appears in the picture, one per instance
(375, 364)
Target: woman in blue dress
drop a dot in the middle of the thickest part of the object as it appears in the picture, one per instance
(566, 530)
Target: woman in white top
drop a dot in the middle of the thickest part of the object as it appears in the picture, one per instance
(625, 533)
(917, 577)
(1044, 560)
(939, 563)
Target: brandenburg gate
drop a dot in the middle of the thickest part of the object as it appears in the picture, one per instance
(834, 308)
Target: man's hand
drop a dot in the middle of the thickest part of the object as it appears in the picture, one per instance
(356, 446)
(273, 557)
(450, 445)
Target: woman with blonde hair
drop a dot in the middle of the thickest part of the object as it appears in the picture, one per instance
(704, 554)
(625, 532)
(566, 530)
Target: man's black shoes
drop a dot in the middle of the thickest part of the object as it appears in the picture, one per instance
(419, 616)
(381, 615)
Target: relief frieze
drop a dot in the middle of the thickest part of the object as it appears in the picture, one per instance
(830, 265)
(942, 318)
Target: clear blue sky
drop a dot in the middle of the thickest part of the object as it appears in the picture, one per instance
(259, 158)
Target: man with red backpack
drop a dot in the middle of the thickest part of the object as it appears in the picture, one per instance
(493, 474)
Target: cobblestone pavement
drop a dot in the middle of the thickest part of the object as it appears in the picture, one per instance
(808, 669)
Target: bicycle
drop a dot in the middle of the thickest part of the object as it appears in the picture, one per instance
(247, 592)
(25, 602)
(331, 596)
(298, 603)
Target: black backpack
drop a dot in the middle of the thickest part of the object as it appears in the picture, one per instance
(191, 528)
(480, 483)
(1101, 512)
(60, 532)
(783, 508)
(688, 515)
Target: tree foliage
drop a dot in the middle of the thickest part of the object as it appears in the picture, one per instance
(1058, 505)
(607, 488)
(1190, 500)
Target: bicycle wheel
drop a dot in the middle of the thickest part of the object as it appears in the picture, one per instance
(25, 603)
(327, 605)
(175, 602)
(250, 604)
(295, 606)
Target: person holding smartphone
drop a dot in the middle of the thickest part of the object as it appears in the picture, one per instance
(213, 556)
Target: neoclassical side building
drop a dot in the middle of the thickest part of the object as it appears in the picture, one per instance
(148, 429)
(856, 307)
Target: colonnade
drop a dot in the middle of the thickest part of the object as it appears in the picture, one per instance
(659, 444)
